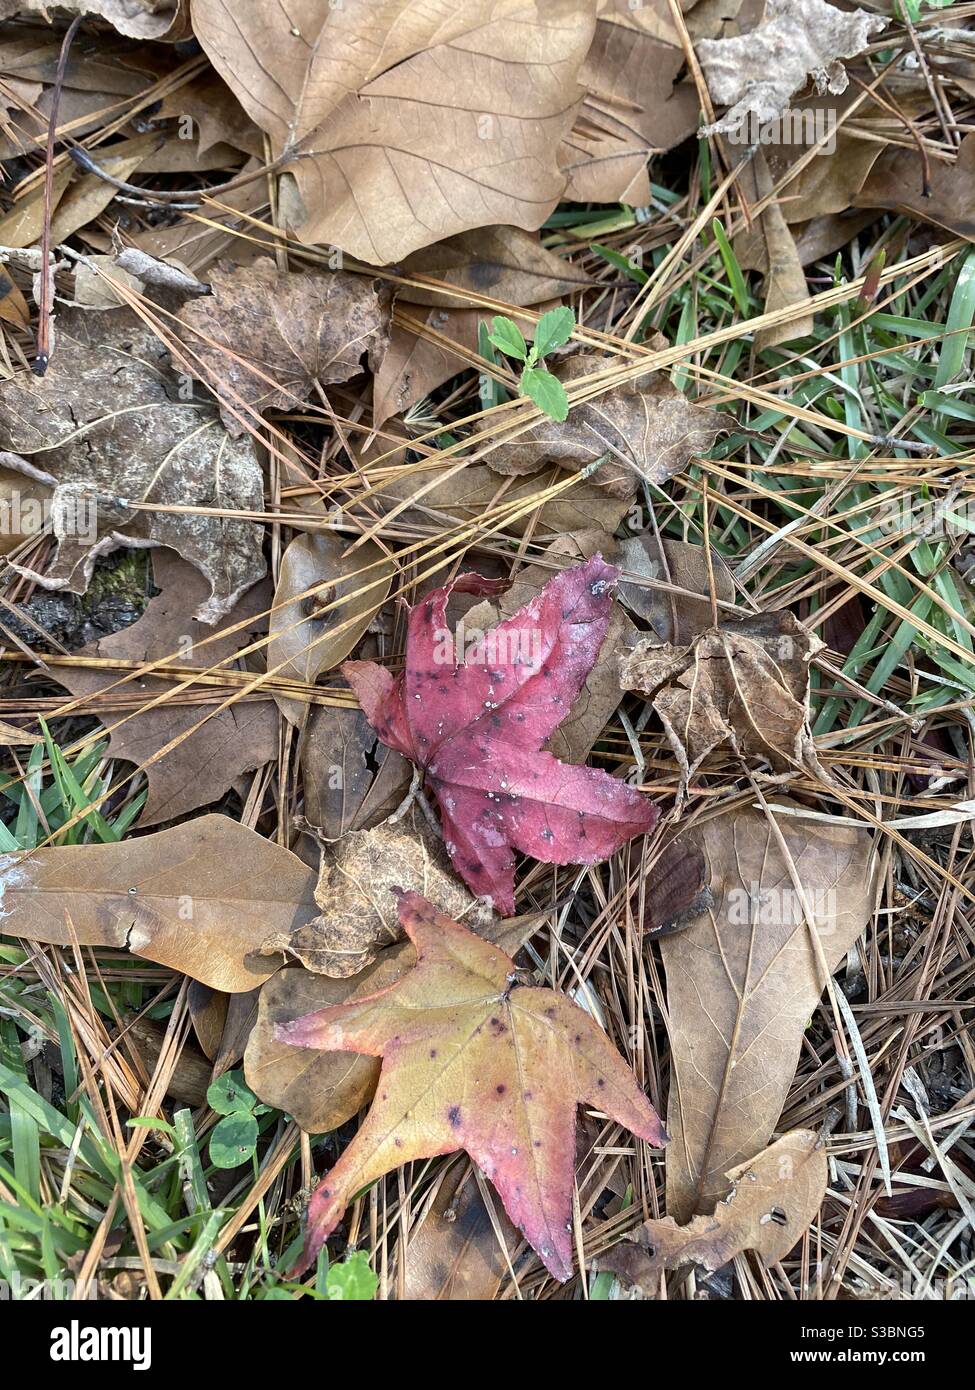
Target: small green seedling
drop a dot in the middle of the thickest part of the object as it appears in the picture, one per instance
(537, 383)
(234, 1138)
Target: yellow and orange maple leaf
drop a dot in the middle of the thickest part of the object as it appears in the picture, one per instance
(473, 1060)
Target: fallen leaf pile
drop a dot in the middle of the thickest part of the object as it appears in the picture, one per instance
(459, 686)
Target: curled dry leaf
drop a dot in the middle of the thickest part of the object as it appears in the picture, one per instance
(209, 760)
(320, 1090)
(743, 980)
(756, 73)
(371, 108)
(355, 894)
(475, 730)
(473, 1062)
(111, 432)
(649, 427)
(770, 246)
(136, 19)
(773, 1200)
(313, 633)
(265, 336)
(743, 685)
(675, 889)
(198, 898)
(208, 1012)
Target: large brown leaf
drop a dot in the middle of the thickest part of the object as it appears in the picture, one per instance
(199, 898)
(204, 765)
(897, 182)
(111, 430)
(742, 983)
(266, 336)
(403, 123)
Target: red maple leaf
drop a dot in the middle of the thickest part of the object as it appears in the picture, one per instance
(475, 729)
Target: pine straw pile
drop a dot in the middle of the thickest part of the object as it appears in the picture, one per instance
(273, 412)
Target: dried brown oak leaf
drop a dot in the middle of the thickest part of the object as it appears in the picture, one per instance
(110, 431)
(197, 898)
(773, 1201)
(743, 980)
(743, 685)
(403, 123)
(265, 336)
(354, 892)
(650, 429)
(208, 761)
(756, 73)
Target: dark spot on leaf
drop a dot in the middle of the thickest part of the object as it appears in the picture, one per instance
(453, 1115)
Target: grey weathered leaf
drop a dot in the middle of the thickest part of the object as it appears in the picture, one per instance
(108, 431)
